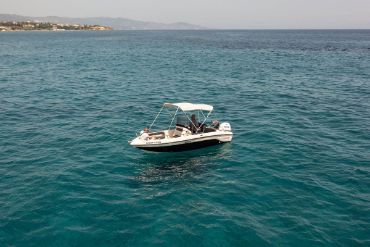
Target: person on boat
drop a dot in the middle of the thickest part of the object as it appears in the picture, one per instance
(215, 124)
(144, 134)
(193, 124)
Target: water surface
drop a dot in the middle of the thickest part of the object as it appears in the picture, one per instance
(296, 173)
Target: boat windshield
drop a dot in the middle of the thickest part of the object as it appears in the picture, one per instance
(182, 120)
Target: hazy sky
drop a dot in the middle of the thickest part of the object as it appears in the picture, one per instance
(209, 13)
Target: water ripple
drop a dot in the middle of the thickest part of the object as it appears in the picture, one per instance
(297, 171)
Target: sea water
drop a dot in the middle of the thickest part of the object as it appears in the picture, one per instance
(296, 173)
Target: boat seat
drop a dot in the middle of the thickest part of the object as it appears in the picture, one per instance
(175, 132)
(157, 135)
(209, 129)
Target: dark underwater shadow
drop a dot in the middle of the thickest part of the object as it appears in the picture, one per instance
(162, 167)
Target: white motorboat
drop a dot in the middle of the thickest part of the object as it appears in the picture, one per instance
(186, 133)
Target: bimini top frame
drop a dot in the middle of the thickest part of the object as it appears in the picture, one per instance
(185, 106)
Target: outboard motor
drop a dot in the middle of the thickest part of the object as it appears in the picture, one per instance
(225, 127)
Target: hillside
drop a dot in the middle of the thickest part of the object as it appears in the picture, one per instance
(115, 23)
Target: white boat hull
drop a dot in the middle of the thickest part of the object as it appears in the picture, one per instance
(183, 143)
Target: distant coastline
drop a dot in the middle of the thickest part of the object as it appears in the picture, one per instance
(114, 23)
(12, 26)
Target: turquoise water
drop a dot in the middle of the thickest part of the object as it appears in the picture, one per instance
(296, 173)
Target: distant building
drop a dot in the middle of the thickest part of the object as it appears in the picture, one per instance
(28, 26)
(3, 29)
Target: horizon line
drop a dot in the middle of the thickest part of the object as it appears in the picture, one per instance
(201, 27)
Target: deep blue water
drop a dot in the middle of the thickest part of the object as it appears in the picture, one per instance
(296, 173)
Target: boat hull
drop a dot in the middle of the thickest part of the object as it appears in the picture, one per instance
(181, 147)
(183, 143)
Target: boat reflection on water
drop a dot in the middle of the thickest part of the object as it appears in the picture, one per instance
(177, 166)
